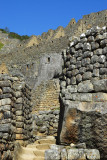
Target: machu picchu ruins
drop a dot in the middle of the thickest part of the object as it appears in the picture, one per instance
(53, 93)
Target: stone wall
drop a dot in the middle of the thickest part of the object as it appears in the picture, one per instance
(15, 117)
(84, 91)
(45, 123)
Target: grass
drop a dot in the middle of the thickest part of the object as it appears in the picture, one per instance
(1, 45)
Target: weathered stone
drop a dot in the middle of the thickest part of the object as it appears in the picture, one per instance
(95, 73)
(103, 71)
(76, 154)
(6, 101)
(78, 65)
(85, 62)
(99, 97)
(94, 45)
(92, 154)
(103, 43)
(100, 85)
(85, 97)
(5, 127)
(52, 154)
(43, 129)
(87, 76)
(7, 90)
(68, 81)
(5, 84)
(85, 86)
(89, 67)
(75, 72)
(98, 51)
(79, 46)
(86, 47)
(64, 154)
(104, 51)
(94, 59)
(63, 84)
(73, 80)
(82, 70)
(72, 88)
(87, 54)
(19, 100)
(102, 59)
(79, 78)
(3, 96)
(90, 38)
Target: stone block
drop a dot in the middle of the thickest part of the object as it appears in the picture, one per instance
(7, 90)
(99, 97)
(102, 59)
(103, 71)
(98, 51)
(52, 154)
(73, 80)
(76, 154)
(85, 86)
(87, 76)
(5, 84)
(85, 62)
(72, 88)
(6, 101)
(95, 73)
(100, 85)
(5, 128)
(92, 154)
(94, 59)
(94, 45)
(87, 54)
(86, 47)
(64, 154)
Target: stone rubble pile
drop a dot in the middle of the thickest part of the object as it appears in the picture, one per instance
(84, 91)
(15, 114)
(45, 123)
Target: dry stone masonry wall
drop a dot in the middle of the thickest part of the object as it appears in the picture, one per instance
(15, 117)
(45, 123)
(84, 91)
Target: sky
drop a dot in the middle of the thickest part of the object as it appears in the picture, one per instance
(33, 17)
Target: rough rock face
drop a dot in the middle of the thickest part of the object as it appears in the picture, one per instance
(84, 91)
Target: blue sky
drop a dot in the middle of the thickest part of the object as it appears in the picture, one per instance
(32, 17)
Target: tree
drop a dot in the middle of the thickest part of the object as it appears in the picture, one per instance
(7, 30)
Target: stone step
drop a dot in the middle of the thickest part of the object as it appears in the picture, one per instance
(39, 146)
(43, 146)
(40, 153)
(45, 141)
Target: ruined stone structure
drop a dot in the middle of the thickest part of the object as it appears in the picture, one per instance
(26, 57)
(55, 93)
(15, 117)
(84, 91)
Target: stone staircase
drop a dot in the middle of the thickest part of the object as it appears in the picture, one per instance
(36, 151)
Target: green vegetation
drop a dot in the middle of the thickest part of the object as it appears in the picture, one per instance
(1, 45)
(14, 35)
(17, 36)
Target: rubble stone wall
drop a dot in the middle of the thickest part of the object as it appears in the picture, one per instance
(15, 117)
(84, 91)
(45, 123)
